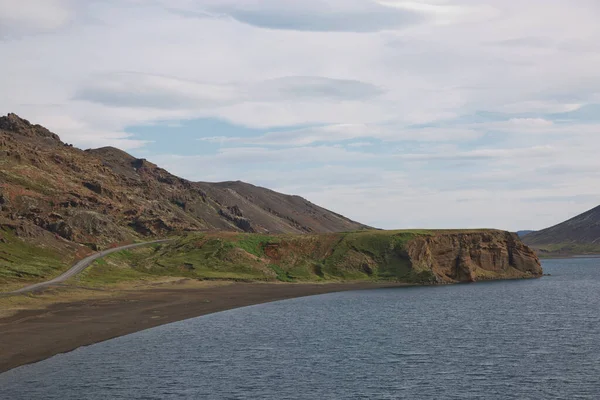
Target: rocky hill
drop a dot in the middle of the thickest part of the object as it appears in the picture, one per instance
(579, 235)
(52, 190)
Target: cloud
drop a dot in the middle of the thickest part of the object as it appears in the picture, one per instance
(307, 87)
(485, 154)
(24, 17)
(219, 165)
(343, 132)
(128, 89)
(137, 89)
(308, 15)
(440, 12)
(359, 144)
(532, 41)
(538, 106)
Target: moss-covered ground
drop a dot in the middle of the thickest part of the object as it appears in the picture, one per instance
(21, 261)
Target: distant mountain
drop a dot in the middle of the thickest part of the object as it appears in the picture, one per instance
(524, 233)
(102, 196)
(579, 235)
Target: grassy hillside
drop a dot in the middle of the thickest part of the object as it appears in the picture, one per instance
(288, 258)
(29, 261)
(22, 261)
(566, 249)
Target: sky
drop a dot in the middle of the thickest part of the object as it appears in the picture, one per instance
(398, 114)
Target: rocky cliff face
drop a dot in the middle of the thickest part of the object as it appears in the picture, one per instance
(473, 256)
(103, 196)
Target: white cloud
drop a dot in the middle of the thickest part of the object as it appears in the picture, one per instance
(533, 106)
(315, 87)
(33, 16)
(128, 89)
(135, 89)
(443, 12)
(308, 15)
(342, 132)
(485, 154)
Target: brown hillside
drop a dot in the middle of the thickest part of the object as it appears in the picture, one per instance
(107, 196)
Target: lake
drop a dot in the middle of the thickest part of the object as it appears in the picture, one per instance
(528, 339)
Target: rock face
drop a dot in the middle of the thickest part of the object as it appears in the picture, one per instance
(469, 257)
(12, 123)
(105, 195)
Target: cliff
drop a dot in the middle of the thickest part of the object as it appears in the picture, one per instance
(473, 256)
(424, 257)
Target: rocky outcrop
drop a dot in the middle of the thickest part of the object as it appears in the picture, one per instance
(12, 123)
(473, 256)
(234, 214)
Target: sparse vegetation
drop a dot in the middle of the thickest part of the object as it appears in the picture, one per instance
(21, 261)
(254, 243)
(567, 249)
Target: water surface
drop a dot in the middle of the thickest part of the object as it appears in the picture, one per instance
(531, 339)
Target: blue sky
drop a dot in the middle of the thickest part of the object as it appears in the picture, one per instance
(399, 114)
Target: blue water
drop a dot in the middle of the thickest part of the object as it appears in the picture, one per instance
(533, 339)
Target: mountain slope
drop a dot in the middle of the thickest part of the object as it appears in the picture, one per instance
(579, 235)
(103, 196)
(522, 234)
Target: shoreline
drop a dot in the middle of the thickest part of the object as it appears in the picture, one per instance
(33, 335)
(567, 256)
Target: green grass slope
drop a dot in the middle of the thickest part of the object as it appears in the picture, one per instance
(21, 261)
